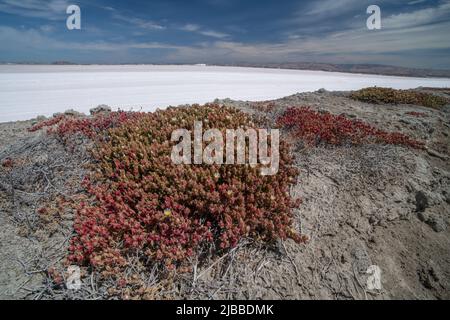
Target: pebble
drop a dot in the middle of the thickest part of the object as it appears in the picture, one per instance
(100, 108)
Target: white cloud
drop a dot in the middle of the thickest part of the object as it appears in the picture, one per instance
(330, 7)
(50, 9)
(418, 17)
(214, 34)
(140, 23)
(47, 28)
(190, 27)
(33, 39)
(354, 46)
(416, 2)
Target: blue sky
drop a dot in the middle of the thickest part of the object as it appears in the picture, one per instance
(415, 33)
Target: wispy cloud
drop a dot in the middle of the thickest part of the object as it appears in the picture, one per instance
(25, 39)
(214, 34)
(420, 17)
(47, 28)
(330, 7)
(190, 27)
(45, 9)
(411, 3)
(138, 22)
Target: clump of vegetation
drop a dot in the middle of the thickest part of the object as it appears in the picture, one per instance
(7, 163)
(95, 126)
(316, 128)
(140, 203)
(263, 106)
(92, 127)
(379, 95)
(47, 123)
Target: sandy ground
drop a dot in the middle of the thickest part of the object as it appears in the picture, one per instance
(383, 206)
(360, 208)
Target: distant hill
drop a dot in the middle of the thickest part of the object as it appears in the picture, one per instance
(351, 68)
(331, 67)
(62, 63)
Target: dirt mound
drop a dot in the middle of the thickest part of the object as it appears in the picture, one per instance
(371, 212)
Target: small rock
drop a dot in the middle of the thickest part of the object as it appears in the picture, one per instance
(421, 201)
(430, 275)
(437, 223)
(322, 90)
(434, 220)
(100, 108)
(436, 154)
(404, 121)
(348, 115)
(38, 119)
(447, 198)
(361, 259)
(423, 216)
(392, 216)
(72, 112)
